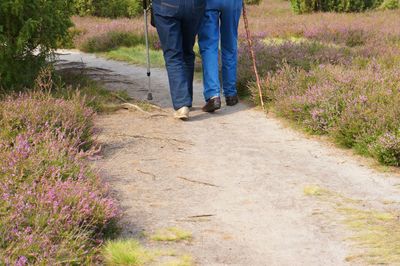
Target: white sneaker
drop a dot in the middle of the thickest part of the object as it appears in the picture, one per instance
(182, 113)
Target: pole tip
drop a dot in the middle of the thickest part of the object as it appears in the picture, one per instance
(150, 96)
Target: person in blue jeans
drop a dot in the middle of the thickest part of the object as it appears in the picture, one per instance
(221, 22)
(177, 23)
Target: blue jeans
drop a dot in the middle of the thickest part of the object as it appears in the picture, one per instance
(221, 19)
(177, 23)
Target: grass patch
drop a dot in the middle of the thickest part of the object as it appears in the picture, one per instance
(377, 232)
(314, 190)
(126, 252)
(97, 97)
(136, 55)
(131, 252)
(171, 234)
(293, 39)
(184, 260)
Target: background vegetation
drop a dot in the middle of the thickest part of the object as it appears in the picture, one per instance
(30, 30)
(334, 74)
(307, 6)
(108, 8)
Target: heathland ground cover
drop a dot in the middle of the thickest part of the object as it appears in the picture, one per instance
(332, 74)
(54, 208)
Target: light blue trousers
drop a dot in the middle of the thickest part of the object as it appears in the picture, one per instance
(220, 25)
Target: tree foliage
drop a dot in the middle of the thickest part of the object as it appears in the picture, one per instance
(108, 8)
(307, 6)
(30, 30)
(117, 8)
(252, 2)
(390, 4)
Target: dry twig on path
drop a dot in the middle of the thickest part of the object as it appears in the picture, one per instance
(136, 107)
(197, 182)
(202, 216)
(125, 101)
(154, 138)
(147, 173)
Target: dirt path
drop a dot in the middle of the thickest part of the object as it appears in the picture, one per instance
(244, 171)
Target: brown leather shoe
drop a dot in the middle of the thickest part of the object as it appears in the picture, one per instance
(212, 105)
(232, 100)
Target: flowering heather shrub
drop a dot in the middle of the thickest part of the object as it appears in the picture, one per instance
(114, 39)
(39, 111)
(272, 55)
(102, 35)
(275, 19)
(53, 208)
(92, 27)
(387, 149)
(351, 36)
(357, 107)
(303, 98)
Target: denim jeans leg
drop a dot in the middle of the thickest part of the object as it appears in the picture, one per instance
(169, 29)
(190, 27)
(230, 16)
(209, 46)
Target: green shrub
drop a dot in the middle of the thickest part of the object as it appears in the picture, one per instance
(390, 4)
(117, 8)
(307, 6)
(253, 2)
(29, 31)
(108, 8)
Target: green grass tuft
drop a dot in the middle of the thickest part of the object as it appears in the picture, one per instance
(377, 232)
(314, 190)
(130, 252)
(185, 260)
(136, 55)
(172, 234)
(96, 95)
(126, 252)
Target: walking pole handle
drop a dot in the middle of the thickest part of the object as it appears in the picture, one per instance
(145, 4)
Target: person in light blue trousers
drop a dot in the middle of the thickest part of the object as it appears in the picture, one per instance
(220, 26)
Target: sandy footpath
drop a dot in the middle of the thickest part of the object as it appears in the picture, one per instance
(235, 178)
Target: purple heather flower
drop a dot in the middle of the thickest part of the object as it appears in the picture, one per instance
(22, 261)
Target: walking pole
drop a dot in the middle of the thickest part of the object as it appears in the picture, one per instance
(252, 54)
(146, 7)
